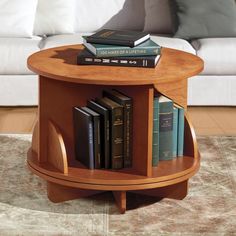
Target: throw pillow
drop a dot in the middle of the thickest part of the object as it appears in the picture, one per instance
(93, 15)
(158, 17)
(54, 17)
(205, 18)
(17, 18)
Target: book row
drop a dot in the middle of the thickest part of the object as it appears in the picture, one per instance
(103, 131)
(168, 130)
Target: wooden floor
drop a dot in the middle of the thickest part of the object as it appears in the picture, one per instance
(206, 120)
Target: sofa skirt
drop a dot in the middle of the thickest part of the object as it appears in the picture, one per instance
(22, 90)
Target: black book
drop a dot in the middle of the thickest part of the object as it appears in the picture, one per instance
(87, 58)
(127, 104)
(116, 131)
(118, 37)
(83, 132)
(96, 136)
(104, 130)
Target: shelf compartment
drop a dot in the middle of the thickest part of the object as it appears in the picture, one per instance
(167, 172)
(77, 95)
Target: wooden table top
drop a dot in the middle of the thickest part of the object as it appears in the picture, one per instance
(60, 63)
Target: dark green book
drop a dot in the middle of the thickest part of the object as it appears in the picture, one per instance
(127, 104)
(118, 37)
(165, 128)
(96, 136)
(104, 125)
(148, 48)
(155, 133)
(116, 131)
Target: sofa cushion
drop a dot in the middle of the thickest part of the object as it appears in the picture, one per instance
(92, 15)
(158, 17)
(14, 53)
(54, 17)
(219, 55)
(174, 43)
(63, 39)
(205, 19)
(17, 20)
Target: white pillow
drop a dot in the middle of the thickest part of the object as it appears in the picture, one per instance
(54, 17)
(17, 18)
(158, 17)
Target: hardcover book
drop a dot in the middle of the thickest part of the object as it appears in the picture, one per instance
(180, 149)
(148, 48)
(87, 58)
(175, 130)
(165, 128)
(104, 128)
(83, 132)
(127, 104)
(116, 131)
(96, 136)
(155, 133)
(118, 37)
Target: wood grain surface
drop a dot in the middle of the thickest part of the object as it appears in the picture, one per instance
(60, 64)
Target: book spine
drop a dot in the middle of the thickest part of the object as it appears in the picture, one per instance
(107, 143)
(128, 111)
(117, 142)
(128, 62)
(91, 145)
(97, 143)
(165, 130)
(152, 51)
(128, 115)
(155, 138)
(104, 134)
(84, 142)
(175, 131)
(181, 132)
(110, 41)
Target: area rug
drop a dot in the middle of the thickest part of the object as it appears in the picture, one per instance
(209, 208)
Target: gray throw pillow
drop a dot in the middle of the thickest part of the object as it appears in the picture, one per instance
(204, 18)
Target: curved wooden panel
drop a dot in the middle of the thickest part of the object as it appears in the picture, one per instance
(56, 149)
(35, 138)
(190, 139)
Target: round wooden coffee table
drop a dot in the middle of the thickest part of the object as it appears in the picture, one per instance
(63, 85)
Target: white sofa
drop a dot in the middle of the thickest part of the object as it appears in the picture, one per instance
(216, 85)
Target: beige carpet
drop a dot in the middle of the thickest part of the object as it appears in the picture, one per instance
(209, 208)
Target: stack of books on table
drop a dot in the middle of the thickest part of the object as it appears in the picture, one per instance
(103, 131)
(168, 130)
(119, 48)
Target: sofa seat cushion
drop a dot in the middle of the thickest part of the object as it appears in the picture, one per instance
(63, 39)
(219, 55)
(14, 53)
(175, 43)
